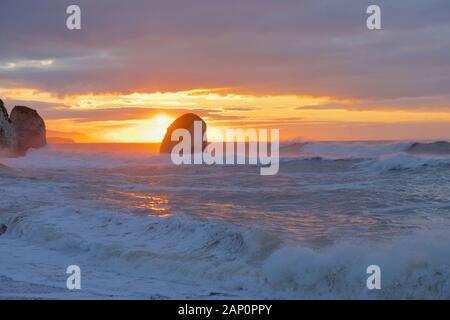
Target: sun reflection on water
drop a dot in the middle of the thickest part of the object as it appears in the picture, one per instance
(158, 205)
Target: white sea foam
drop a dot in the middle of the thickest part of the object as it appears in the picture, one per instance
(229, 259)
(141, 228)
(405, 162)
(52, 158)
(352, 150)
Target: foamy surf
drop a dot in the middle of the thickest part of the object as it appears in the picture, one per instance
(141, 228)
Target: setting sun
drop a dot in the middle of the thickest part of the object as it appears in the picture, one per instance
(145, 130)
(163, 120)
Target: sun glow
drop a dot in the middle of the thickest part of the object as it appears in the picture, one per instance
(144, 117)
(163, 120)
(146, 130)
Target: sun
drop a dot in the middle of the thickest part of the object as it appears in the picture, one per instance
(162, 120)
(160, 124)
(142, 131)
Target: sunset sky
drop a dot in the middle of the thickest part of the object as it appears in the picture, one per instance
(310, 68)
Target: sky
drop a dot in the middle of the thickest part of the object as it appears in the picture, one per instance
(309, 68)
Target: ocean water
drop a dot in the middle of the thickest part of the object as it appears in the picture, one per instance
(142, 228)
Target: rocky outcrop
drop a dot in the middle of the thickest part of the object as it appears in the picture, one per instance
(437, 148)
(7, 134)
(186, 121)
(29, 128)
(25, 129)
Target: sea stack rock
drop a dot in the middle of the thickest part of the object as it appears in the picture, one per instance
(186, 121)
(29, 128)
(25, 129)
(7, 134)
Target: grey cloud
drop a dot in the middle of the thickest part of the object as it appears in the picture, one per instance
(270, 47)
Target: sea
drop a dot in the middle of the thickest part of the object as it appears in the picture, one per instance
(140, 227)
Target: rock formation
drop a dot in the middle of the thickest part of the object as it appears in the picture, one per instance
(7, 134)
(186, 121)
(29, 128)
(437, 148)
(25, 129)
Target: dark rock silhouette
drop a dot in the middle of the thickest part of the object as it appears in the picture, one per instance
(438, 148)
(25, 129)
(7, 135)
(186, 121)
(29, 128)
(3, 228)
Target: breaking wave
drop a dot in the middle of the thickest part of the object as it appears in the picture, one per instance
(373, 156)
(336, 221)
(225, 256)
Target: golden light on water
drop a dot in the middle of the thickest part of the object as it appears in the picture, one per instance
(154, 205)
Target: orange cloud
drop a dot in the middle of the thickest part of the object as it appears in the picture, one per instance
(143, 117)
